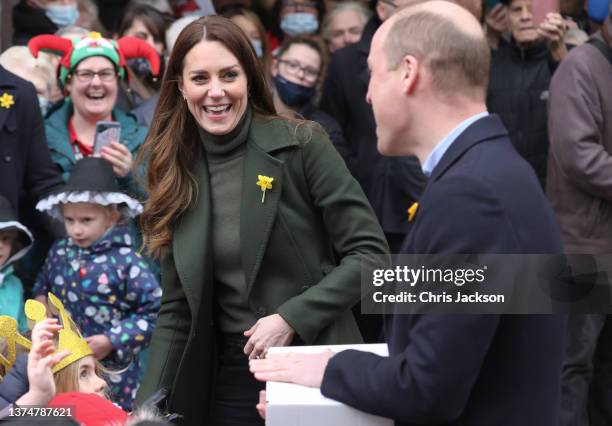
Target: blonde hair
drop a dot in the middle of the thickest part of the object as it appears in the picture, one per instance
(67, 379)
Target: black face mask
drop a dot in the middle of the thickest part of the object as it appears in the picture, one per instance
(293, 94)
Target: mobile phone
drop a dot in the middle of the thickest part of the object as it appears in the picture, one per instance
(106, 132)
(540, 8)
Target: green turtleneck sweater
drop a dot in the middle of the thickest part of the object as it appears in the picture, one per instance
(225, 158)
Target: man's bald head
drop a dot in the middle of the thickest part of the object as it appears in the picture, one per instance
(447, 39)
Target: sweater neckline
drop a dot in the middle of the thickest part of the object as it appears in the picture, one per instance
(220, 145)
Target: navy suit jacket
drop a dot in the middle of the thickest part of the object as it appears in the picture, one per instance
(467, 369)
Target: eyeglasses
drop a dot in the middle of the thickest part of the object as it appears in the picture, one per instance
(294, 67)
(106, 75)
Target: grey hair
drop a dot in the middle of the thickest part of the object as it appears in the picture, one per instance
(344, 6)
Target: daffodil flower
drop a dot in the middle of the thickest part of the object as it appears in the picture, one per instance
(265, 182)
(6, 100)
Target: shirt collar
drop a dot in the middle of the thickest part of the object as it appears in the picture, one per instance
(438, 152)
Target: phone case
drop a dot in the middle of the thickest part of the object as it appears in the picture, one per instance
(106, 133)
(540, 8)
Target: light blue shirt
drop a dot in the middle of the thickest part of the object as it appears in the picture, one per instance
(438, 152)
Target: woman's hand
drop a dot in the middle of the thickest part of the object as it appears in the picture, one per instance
(100, 344)
(119, 157)
(269, 331)
(41, 360)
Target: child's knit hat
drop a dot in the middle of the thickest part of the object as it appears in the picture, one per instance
(92, 181)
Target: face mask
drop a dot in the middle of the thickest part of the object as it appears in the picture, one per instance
(44, 104)
(140, 66)
(62, 15)
(293, 94)
(258, 46)
(294, 24)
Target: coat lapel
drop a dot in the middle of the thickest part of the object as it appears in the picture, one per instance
(191, 242)
(256, 217)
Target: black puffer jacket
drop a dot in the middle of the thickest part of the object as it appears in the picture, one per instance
(518, 93)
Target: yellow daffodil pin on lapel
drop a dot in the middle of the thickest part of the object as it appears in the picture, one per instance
(265, 183)
(6, 100)
(412, 211)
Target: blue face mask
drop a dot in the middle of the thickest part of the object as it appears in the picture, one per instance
(294, 24)
(258, 46)
(62, 15)
(292, 94)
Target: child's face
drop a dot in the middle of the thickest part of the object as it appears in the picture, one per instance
(89, 381)
(85, 222)
(6, 244)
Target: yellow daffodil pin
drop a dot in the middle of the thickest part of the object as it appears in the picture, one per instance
(265, 182)
(412, 211)
(6, 100)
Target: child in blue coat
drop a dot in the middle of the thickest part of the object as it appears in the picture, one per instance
(15, 241)
(99, 276)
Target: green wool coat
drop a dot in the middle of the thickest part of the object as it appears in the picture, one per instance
(301, 252)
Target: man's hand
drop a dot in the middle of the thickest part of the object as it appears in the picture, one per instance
(301, 369)
(119, 157)
(261, 405)
(101, 345)
(553, 31)
(269, 331)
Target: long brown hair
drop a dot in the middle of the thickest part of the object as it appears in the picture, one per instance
(170, 147)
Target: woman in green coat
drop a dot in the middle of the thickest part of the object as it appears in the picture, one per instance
(260, 228)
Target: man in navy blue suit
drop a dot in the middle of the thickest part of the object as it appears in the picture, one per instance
(429, 69)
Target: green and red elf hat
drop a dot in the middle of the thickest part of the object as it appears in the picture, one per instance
(75, 50)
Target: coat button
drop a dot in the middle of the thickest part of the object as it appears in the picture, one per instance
(7, 158)
(261, 312)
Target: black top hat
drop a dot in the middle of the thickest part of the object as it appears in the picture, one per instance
(8, 220)
(92, 180)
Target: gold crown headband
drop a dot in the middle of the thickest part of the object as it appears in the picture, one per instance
(8, 331)
(69, 336)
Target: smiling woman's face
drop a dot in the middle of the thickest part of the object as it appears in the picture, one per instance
(215, 87)
(94, 98)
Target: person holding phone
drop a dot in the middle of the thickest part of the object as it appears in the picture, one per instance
(90, 71)
(521, 69)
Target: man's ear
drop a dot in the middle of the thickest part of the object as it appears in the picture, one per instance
(274, 67)
(410, 71)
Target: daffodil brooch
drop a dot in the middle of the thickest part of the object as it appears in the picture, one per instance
(412, 211)
(6, 100)
(265, 183)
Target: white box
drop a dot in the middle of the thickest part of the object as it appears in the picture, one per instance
(294, 405)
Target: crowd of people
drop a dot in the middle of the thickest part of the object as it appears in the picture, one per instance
(187, 183)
